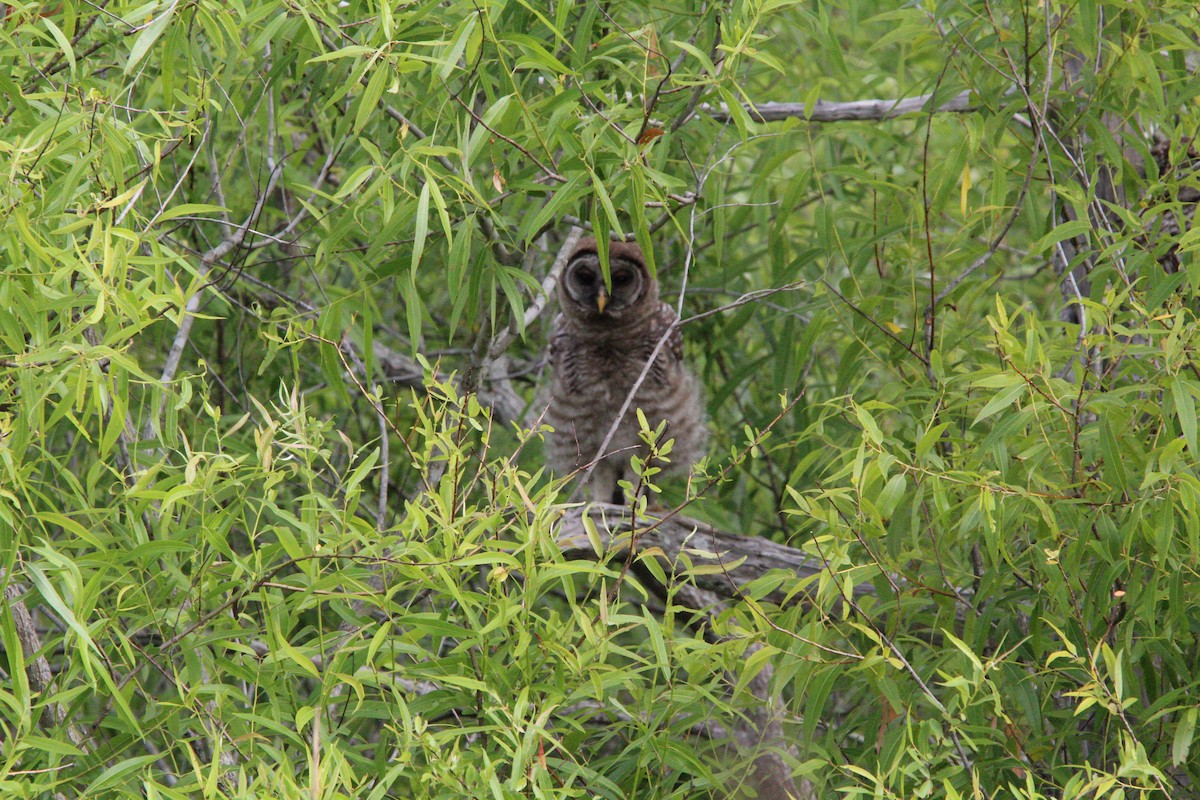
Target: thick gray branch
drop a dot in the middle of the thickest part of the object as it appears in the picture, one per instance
(744, 558)
(37, 668)
(826, 111)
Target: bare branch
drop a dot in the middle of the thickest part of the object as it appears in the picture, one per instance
(232, 241)
(37, 668)
(826, 111)
(742, 558)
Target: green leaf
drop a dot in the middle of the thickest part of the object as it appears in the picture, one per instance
(1068, 230)
(51, 596)
(115, 774)
(1114, 459)
(696, 53)
(350, 51)
(421, 226)
(148, 36)
(536, 55)
(891, 495)
(450, 59)
(657, 643)
(930, 438)
(1185, 411)
(190, 210)
(869, 425)
(368, 104)
(1002, 400)
(1185, 731)
(63, 42)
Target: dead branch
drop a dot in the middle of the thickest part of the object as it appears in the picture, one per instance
(683, 539)
(826, 111)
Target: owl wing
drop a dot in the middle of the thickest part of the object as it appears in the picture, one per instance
(672, 352)
(557, 332)
(562, 356)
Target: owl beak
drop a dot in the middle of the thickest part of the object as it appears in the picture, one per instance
(602, 300)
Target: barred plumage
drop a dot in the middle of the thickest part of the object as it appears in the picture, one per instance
(599, 347)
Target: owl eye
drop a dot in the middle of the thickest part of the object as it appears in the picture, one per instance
(622, 277)
(585, 277)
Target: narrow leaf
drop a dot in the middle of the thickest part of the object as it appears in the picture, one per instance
(148, 37)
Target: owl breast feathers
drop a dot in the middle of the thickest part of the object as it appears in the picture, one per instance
(600, 344)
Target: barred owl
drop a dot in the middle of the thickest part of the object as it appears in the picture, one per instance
(599, 347)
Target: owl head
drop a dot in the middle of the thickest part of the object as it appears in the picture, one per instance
(583, 294)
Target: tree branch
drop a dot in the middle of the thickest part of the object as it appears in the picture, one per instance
(742, 558)
(826, 111)
(37, 668)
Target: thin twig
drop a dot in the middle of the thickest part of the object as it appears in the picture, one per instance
(212, 256)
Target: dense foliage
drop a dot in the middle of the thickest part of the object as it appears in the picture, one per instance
(270, 330)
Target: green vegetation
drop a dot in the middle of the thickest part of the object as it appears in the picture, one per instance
(273, 518)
